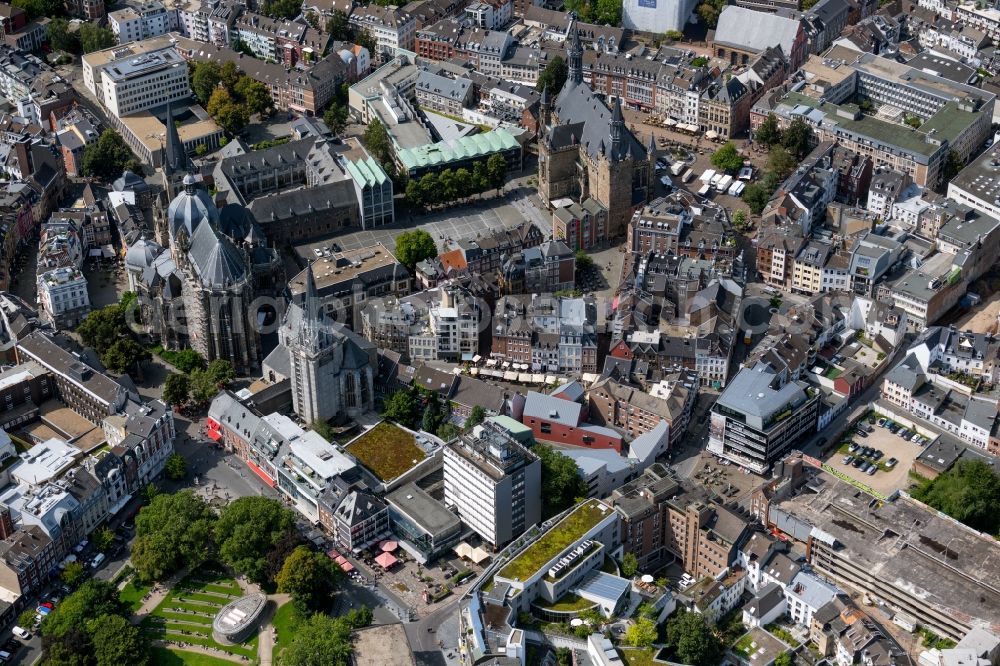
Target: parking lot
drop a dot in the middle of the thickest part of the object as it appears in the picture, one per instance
(892, 446)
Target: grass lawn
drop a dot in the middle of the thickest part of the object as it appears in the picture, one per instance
(168, 657)
(286, 620)
(563, 534)
(132, 594)
(570, 602)
(638, 657)
(169, 624)
(386, 450)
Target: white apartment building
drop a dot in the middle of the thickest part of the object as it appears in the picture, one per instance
(451, 333)
(986, 19)
(62, 296)
(494, 483)
(150, 19)
(193, 21)
(490, 15)
(392, 28)
(136, 76)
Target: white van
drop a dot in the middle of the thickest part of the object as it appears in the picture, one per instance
(21, 633)
(98, 560)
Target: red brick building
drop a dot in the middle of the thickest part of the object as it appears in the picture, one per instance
(562, 421)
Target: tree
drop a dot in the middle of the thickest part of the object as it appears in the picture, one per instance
(172, 530)
(673, 35)
(176, 389)
(149, 492)
(692, 639)
(309, 577)
(233, 117)
(117, 641)
(608, 12)
(432, 416)
(768, 132)
(36, 8)
(283, 547)
(781, 162)
(103, 328)
(364, 39)
(205, 80)
(414, 194)
(312, 18)
(797, 138)
(642, 633)
(402, 408)
(553, 77)
(785, 658)
(709, 12)
(247, 530)
(124, 355)
(60, 38)
(912, 121)
(496, 170)
(561, 481)
(630, 565)
(320, 640)
(969, 492)
(448, 431)
(286, 9)
(175, 467)
(756, 196)
(102, 538)
(335, 117)
(221, 372)
(93, 37)
(338, 26)
(414, 246)
(72, 574)
(376, 139)
(953, 164)
(93, 599)
(727, 158)
(477, 416)
(187, 360)
(564, 656)
(323, 429)
(255, 95)
(229, 76)
(740, 220)
(108, 157)
(203, 387)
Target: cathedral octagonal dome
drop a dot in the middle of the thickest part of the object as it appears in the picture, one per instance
(190, 208)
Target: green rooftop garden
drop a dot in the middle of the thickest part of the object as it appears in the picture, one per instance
(386, 450)
(562, 535)
(567, 603)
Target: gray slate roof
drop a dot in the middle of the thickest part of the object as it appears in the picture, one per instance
(755, 31)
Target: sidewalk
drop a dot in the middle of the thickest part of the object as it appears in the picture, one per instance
(156, 596)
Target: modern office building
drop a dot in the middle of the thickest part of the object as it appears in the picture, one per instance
(136, 76)
(494, 483)
(425, 528)
(760, 416)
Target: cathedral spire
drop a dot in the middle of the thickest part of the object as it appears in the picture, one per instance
(174, 159)
(575, 53)
(617, 129)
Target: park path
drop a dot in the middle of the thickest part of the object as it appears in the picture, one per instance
(226, 656)
(157, 595)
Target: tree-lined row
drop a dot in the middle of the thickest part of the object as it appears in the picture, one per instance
(447, 186)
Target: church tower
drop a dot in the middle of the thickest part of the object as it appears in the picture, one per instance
(616, 129)
(575, 54)
(315, 356)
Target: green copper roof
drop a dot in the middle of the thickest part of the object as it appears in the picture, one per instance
(476, 145)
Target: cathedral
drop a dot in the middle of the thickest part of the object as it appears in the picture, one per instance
(199, 290)
(329, 367)
(587, 151)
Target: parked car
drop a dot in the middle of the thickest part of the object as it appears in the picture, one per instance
(853, 447)
(21, 632)
(877, 455)
(871, 470)
(860, 433)
(858, 462)
(916, 438)
(895, 428)
(890, 463)
(848, 459)
(881, 423)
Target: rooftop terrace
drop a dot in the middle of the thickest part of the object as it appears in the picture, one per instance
(561, 536)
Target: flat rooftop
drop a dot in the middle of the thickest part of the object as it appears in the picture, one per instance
(386, 451)
(345, 267)
(981, 178)
(561, 536)
(430, 514)
(900, 542)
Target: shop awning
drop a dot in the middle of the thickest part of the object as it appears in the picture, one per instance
(346, 566)
(214, 435)
(711, 134)
(386, 560)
